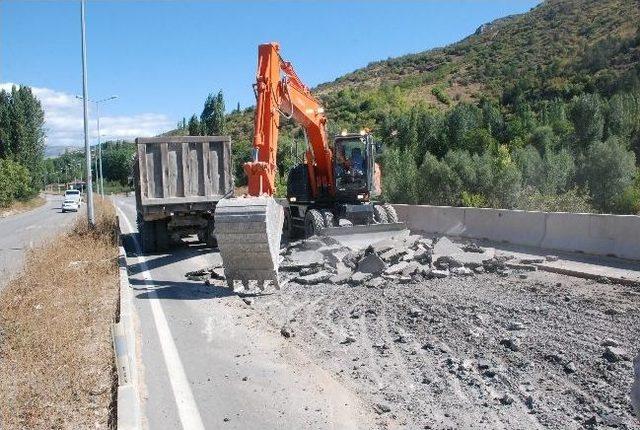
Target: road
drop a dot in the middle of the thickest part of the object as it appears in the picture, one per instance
(22, 231)
(208, 361)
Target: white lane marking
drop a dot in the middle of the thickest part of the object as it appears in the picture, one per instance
(187, 407)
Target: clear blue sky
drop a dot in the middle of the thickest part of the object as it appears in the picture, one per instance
(164, 57)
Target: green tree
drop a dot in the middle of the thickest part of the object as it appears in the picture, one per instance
(399, 175)
(194, 126)
(212, 119)
(587, 116)
(530, 164)
(609, 168)
(438, 183)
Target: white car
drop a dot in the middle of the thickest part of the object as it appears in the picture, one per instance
(70, 204)
(73, 195)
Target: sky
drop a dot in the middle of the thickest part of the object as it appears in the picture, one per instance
(162, 58)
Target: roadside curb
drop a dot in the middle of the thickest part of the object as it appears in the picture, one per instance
(124, 345)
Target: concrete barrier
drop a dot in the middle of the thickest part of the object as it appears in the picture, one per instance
(612, 235)
(125, 351)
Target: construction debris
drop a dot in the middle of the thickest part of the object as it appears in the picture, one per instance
(399, 259)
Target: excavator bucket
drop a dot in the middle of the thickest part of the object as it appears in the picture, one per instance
(248, 231)
(361, 236)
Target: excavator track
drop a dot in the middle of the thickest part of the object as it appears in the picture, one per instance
(248, 231)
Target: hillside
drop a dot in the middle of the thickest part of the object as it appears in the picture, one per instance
(561, 46)
(537, 111)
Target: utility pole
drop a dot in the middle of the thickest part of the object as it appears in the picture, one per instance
(85, 107)
(100, 187)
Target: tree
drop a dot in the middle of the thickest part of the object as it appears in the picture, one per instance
(529, 162)
(5, 143)
(587, 117)
(399, 175)
(212, 119)
(194, 126)
(609, 168)
(438, 183)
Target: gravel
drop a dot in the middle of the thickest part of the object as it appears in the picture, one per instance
(480, 351)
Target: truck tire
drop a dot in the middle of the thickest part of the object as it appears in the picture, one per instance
(210, 236)
(392, 215)
(380, 215)
(163, 240)
(313, 223)
(148, 236)
(328, 218)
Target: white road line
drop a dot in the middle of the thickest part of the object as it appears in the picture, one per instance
(187, 407)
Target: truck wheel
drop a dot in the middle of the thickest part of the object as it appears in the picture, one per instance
(313, 222)
(148, 235)
(328, 218)
(210, 237)
(380, 215)
(163, 240)
(392, 215)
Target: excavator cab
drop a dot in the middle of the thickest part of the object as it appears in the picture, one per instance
(353, 167)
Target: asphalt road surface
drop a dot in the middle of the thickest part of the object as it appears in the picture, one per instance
(208, 361)
(23, 231)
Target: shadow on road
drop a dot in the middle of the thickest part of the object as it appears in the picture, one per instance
(172, 290)
(154, 261)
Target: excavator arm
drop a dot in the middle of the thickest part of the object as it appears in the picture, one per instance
(279, 91)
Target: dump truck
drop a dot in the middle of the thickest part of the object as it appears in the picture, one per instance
(178, 182)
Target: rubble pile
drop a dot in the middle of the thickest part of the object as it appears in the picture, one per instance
(402, 259)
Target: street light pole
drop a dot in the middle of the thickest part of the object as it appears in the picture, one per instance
(100, 187)
(100, 151)
(85, 96)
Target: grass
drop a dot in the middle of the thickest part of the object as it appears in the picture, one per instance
(22, 206)
(56, 358)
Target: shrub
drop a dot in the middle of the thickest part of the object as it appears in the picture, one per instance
(399, 175)
(438, 182)
(442, 97)
(573, 200)
(15, 182)
(471, 200)
(609, 169)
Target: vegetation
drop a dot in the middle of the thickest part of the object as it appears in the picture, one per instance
(518, 115)
(57, 366)
(21, 145)
(117, 165)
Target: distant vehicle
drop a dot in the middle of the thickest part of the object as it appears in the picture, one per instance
(70, 204)
(73, 195)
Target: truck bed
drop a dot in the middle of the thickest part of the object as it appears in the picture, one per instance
(182, 173)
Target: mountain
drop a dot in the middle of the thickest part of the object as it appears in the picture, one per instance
(561, 47)
(538, 111)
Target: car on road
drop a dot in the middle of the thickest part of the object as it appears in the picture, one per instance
(74, 195)
(70, 204)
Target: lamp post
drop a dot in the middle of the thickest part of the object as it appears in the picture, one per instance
(85, 95)
(99, 161)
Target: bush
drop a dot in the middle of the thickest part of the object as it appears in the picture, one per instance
(628, 202)
(15, 183)
(442, 97)
(572, 200)
(399, 175)
(438, 183)
(470, 200)
(609, 169)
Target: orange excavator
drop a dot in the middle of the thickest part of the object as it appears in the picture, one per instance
(329, 193)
